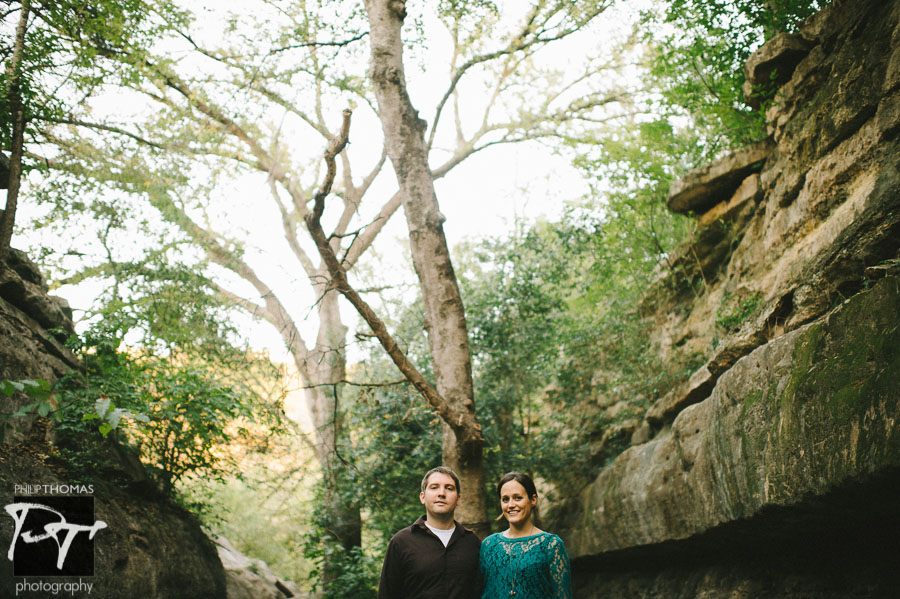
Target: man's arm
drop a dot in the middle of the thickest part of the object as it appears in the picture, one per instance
(391, 584)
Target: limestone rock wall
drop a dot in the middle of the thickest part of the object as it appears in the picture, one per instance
(28, 350)
(799, 419)
(804, 219)
(150, 548)
(774, 470)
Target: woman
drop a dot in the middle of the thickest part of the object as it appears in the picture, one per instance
(524, 561)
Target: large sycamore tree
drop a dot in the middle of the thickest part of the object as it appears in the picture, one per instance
(220, 127)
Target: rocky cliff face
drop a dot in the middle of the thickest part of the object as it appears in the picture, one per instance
(768, 473)
(150, 547)
(28, 349)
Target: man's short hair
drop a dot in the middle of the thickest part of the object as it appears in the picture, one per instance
(442, 470)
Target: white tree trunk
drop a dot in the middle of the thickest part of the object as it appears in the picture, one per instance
(445, 320)
(326, 367)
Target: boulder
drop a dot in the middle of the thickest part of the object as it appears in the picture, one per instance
(248, 578)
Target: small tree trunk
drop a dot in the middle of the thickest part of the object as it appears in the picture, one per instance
(13, 71)
(328, 369)
(445, 319)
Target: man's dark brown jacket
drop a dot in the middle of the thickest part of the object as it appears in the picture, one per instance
(418, 566)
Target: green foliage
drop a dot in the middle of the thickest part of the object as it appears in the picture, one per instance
(392, 439)
(517, 304)
(265, 511)
(177, 412)
(164, 306)
(701, 47)
(38, 391)
(732, 314)
(395, 439)
(64, 43)
(562, 352)
(338, 567)
(110, 416)
(340, 573)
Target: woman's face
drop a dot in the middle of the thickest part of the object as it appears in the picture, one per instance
(517, 506)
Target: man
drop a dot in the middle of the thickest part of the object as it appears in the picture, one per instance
(435, 557)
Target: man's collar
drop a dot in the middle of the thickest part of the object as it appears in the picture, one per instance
(420, 524)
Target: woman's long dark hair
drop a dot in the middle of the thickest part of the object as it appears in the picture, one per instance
(530, 490)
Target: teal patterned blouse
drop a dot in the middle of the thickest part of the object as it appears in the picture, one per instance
(533, 567)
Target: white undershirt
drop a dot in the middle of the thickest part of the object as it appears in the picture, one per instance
(443, 535)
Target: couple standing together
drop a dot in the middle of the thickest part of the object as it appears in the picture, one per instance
(435, 557)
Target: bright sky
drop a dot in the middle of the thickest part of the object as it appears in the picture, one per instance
(485, 196)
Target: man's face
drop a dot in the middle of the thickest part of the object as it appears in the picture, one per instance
(440, 496)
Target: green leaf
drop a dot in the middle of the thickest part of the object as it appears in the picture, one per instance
(104, 429)
(43, 409)
(115, 416)
(103, 405)
(24, 410)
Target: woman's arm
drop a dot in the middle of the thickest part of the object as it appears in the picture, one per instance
(560, 570)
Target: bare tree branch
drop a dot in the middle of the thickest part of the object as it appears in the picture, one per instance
(339, 282)
(288, 222)
(110, 128)
(362, 243)
(357, 384)
(528, 37)
(232, 298)
(367, 182)
(337, 43)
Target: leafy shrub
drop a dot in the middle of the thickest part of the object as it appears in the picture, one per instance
(700, 55)
(177, 413)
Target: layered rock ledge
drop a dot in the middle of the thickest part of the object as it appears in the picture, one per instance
(799, 416)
